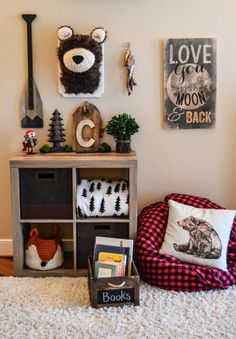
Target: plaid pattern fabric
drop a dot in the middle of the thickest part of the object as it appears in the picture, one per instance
(168, 272)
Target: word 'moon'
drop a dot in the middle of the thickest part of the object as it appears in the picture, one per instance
(80, 57)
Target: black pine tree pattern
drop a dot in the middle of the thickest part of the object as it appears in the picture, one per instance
(102, 207)
(80, 212)
(127, 199)
(117, 204)
(99, 186)
(91, 205)
(117, 188)
(92, 187)
(123, 187)
(84, 193)
(109, 190)
(109, 181)
(56, 130)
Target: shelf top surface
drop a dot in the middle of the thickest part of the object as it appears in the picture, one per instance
(72, 159)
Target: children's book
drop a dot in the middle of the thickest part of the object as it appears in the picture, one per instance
(106, 269)
(114, 257)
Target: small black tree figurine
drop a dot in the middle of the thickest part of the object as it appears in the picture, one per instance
(56, 132)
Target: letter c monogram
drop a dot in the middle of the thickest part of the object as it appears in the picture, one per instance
(79, 130)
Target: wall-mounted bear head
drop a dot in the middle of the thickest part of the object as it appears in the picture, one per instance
(80, 57)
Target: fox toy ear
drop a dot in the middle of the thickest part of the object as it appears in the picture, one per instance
(56, 231)
(34, 232)
(99, 34)
(65, 32)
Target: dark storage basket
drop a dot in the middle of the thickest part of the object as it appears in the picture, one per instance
(115, 291)
(46, 193)
(87, 233)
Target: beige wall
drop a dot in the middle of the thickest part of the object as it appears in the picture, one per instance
(198, 162)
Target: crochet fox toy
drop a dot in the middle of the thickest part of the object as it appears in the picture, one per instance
(44, 254)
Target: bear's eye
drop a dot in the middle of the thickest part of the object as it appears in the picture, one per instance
(78, 60)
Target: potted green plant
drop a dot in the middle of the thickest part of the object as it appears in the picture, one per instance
(121, 127)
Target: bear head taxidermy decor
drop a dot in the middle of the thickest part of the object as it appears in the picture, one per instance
(80, 57)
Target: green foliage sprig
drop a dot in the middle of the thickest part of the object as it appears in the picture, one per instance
(122, 126)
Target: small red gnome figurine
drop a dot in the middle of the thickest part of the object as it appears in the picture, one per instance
(30, 141)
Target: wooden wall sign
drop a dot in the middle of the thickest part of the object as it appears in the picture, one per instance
(189, 83)
(87, 127)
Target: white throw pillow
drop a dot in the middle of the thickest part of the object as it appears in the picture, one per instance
(197, 235)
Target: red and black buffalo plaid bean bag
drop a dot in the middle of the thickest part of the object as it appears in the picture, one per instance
(168, 272)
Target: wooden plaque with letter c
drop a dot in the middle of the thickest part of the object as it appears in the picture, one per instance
(87, 129)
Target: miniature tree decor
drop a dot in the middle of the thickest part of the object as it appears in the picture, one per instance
(56, 132)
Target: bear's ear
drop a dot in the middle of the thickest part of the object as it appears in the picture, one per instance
(99, 34)
(65, 32)
(195, 221)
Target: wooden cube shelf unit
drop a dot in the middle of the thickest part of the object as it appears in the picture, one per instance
(44, 194)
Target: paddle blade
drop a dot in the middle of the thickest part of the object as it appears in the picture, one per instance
(28, 17)
(32, 118)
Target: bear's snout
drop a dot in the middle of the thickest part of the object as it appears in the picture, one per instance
(78, 59)
(43, 263)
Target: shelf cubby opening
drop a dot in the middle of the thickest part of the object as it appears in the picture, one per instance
(46, 232)
(102, 193)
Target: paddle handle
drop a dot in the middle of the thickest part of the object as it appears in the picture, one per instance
(29, 18)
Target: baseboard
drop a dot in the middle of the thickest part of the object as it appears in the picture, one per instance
(6, 247)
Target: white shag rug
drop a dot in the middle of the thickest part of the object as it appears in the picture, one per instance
(60, 308)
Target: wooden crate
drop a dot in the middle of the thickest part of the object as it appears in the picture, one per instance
(115, 291)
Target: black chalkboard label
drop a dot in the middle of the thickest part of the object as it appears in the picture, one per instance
(115, 296)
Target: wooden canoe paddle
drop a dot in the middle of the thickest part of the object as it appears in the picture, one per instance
(32, 107)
